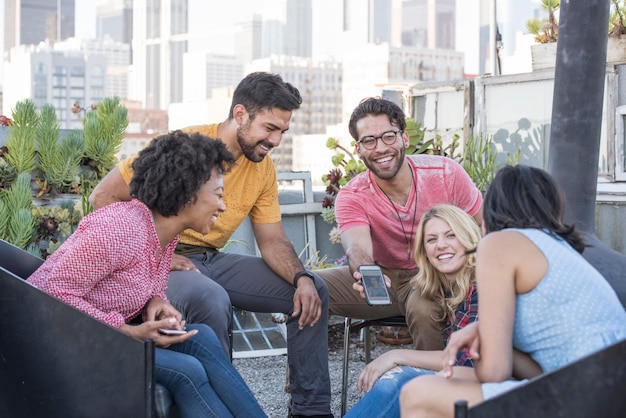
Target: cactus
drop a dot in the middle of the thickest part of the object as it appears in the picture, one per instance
(21, 140)
(18, 224)
(104, 129)
(58, 162)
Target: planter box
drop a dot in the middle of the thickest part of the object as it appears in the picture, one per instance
(616, 50)
(544, 55)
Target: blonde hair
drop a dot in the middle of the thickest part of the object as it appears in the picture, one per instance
(432, 283)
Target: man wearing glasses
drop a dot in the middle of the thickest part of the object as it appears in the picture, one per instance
(378, 212)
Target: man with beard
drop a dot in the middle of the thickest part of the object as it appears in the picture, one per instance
(204, 281)
(377, 213)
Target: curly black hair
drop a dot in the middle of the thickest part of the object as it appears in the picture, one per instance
(260, 90)
(376, 106)
(527, 197)
(169, 172)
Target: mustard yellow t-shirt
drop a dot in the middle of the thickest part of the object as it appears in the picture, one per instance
(250, 189)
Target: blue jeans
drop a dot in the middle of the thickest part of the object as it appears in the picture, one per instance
(382, 401)
(202, 379)
(249, 284)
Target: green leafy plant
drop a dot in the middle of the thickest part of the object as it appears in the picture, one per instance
(479, 160)
(104, 129)
(345, 166)
(73, 164)
(8, 172)
(617, 18)
(53, 224)
(16, 220)
(21, 140)
(545, 29)
(59, 162)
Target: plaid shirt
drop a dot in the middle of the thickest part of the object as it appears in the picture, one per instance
(465, 314)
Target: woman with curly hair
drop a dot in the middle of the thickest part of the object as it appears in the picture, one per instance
(444, 241)
(115, 267)
(537, 295)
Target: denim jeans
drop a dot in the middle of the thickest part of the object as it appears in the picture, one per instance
(202, 379)
(248, 283)
(382, 401)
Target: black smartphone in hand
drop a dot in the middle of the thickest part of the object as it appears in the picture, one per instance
(374, 285)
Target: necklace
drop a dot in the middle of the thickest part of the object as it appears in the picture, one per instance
(407, 239)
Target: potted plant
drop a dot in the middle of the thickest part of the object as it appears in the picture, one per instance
(46, 175)
(546, 32)
(616, 48)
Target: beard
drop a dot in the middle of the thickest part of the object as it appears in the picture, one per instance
(248, 148)
(387, 174)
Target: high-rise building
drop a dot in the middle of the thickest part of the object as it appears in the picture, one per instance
(115, 20)
(204, 72)
(379, 21)
(373, 21)
(428, 23)
(273, 37)
(159, 41)
(319, 83)
(369, 69)
(299, 29)
(48, 74)
(249, 38)
(117, 56)
(28, 22)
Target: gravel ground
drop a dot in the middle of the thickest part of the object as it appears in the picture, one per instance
(266, 375)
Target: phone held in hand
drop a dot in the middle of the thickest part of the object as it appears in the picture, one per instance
(374, 285)
(167, 331)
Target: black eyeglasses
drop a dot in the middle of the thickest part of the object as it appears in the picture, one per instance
(370, 142)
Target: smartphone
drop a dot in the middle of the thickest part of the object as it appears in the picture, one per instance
(374, 285)
(167, 331)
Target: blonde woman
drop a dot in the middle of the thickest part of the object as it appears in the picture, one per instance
(444, 243)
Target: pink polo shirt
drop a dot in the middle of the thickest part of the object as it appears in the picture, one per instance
(108, 267)
(362, 203)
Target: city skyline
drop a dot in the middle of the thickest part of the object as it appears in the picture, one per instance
(212, 25)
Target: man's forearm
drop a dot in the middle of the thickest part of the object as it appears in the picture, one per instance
(283, 260)
(357, 257)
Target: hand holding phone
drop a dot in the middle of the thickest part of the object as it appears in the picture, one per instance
(374, 285)
(167, 331)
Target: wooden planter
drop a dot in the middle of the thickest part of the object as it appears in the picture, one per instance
(544, 55)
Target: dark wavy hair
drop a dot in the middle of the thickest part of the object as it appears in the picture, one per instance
(527, 197)
(261, 90)
(376, 106)
(169, 172)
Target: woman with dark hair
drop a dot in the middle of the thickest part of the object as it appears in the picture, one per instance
(115, 267)
(537, 295)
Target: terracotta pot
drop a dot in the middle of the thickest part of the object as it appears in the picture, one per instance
(395, 335)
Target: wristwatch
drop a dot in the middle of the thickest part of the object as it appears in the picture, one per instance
(300, 274)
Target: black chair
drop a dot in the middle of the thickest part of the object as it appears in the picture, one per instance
(60, 362)
(349, 326)
(594, 386)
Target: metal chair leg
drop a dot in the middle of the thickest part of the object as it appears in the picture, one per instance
(367, 343)
(346, 359)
